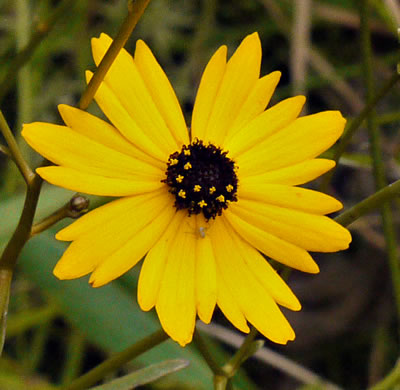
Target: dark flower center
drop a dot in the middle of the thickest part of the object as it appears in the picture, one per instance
(202, 179)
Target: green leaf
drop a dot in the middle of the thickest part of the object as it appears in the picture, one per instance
(144, 376)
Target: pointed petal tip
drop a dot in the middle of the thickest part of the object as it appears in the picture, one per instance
(205, 316)
(252, 39)
(253, 35)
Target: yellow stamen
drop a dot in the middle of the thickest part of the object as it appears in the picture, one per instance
(173, 161)
(182, 194)
(179, 178)
(229, 188)
(202, 203)
(186, 152)
(197, 188)
(220, 198)
(187, 166)
(212, 190)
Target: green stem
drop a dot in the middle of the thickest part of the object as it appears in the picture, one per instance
(74, 357)
(369, 204)
(223, 375)
(21, 234)
(5, 150)
(390, 381)
(15, 151)
(8, 259)
(74, 208)
(42, 30)
(376, 153)
(205, 352)
(354, 125)
(117, 361)
(135, 11)
(5, 285)
(241, 354)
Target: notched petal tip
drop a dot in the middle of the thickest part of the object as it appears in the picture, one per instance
(97, 283)
(61, 272)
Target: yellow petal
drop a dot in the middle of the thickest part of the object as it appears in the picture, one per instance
(206, 274)
(162, 92)
(272, 246)
(309, 231)
(292, 175)
(133, 210)
(153, 267)
(176, 303)
(128, 255)
(255, 302)
(242, 72)
(102, 231)
(75, 180)
(304, 139)
(256, 102)
(120, 118)
(228, 305)
(102, 132)
(207, 92)
(287, 196)
(266, 124)
(63, 146)
(124, 79)
(264, 273)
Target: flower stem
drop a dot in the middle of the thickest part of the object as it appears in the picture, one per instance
(354, 125)
(9, 258)
(135, 11)
(15, 151)
(390, 381)
(231, 367)
(74, 208)
(5, 150)
(5, 285)
(42, 30)
(376, 153)
(205, 352)
(222, 375)
(117, 361)
(373, 202)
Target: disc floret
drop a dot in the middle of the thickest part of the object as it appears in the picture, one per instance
(202, 178)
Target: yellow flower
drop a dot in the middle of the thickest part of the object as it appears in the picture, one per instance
(202, 249)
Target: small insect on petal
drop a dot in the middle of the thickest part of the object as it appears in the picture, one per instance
(202, 231)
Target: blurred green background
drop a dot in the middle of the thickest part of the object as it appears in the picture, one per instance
(347, 331)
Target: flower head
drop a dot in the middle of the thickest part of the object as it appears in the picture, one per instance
(203, 206)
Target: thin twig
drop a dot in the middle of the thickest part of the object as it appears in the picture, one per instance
(15, 151)
(135, 11)
(376, 154)
(300, 44)
(390, 381)
(205, 352)
(317, 61)
(268, 356)
(74, 208)
(5, 151)
(237, 359)
(117, 361)
(354, 125)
